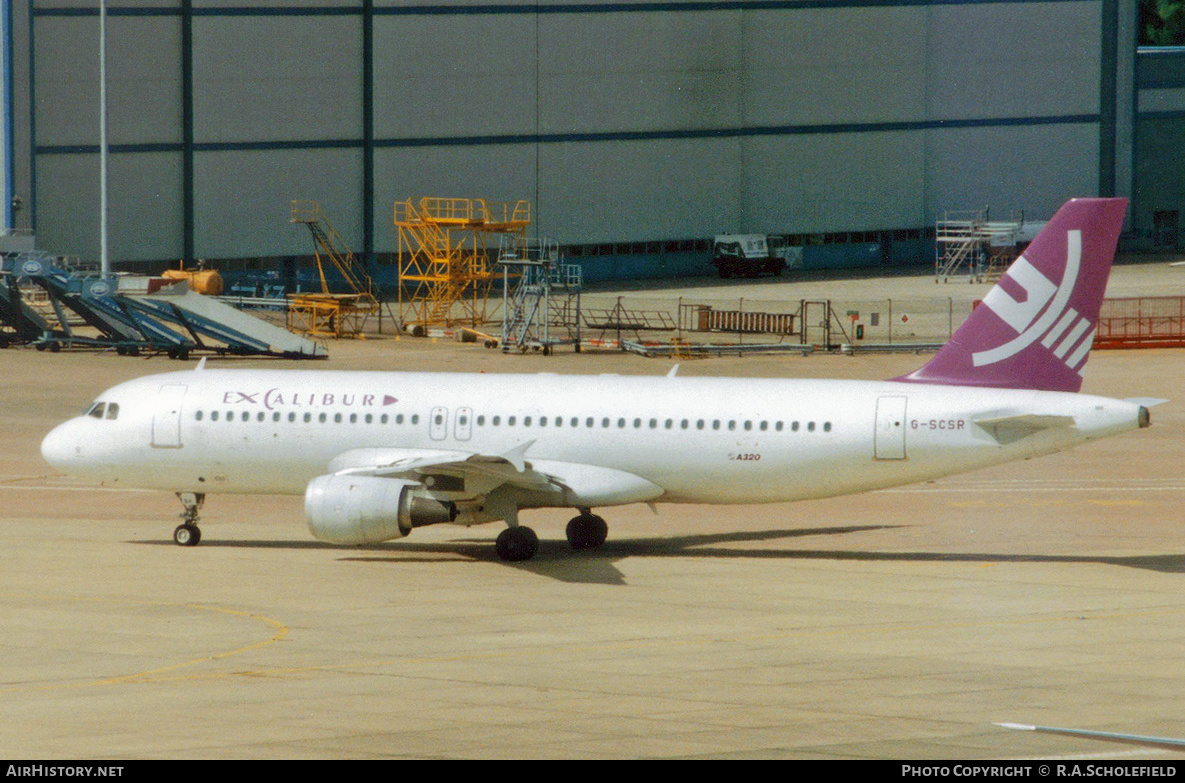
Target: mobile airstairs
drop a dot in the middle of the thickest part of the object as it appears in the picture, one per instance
(172, 320)
(536, 288)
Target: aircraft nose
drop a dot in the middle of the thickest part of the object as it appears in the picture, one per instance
(59, 447)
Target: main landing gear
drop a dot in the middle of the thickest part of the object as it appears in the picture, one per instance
(587, 531)
(188, 533)
(517, 543)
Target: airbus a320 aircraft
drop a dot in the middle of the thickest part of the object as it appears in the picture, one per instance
(378, 454)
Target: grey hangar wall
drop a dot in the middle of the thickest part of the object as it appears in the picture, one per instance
(632, 122)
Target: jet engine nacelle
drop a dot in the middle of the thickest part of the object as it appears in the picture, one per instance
(344, 509)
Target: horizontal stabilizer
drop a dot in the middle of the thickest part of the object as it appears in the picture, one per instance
(1009, 429)
(1146, 402)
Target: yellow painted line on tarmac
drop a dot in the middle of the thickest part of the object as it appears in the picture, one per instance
(162, 676)
(279, 632)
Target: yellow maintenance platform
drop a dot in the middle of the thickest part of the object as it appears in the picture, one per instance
(447, 249)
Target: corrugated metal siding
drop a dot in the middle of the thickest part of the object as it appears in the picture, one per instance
(627, 122)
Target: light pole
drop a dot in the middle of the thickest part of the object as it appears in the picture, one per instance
(104, 264)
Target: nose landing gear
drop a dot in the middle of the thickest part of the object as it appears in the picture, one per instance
(188, 533)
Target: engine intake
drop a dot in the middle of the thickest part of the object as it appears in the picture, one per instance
(343, 509)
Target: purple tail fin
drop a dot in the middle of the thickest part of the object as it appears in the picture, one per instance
(1034, 329)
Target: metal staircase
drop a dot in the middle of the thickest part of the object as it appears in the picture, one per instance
(330, 313)
(530, 310)
(445, 247)
(173, 320)
(969, 245)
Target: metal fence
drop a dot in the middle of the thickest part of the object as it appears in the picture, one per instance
(1141, 322)
(828, 323)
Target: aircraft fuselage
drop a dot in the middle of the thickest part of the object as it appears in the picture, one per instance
(700, 440)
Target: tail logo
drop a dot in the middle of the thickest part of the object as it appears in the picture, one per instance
(1044, 314)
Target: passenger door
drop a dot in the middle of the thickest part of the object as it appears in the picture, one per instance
(889, 440)
(166, 416)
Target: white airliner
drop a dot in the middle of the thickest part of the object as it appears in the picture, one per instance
(377, 454)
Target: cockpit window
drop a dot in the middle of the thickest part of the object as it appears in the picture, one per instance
(103, 410)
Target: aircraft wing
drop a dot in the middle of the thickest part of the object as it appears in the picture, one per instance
(1167, 743)
(569, 483)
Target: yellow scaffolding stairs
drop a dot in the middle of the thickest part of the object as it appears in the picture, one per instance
(445, 263)
(329, 314)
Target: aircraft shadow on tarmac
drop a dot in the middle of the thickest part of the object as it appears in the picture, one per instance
(556, 560)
